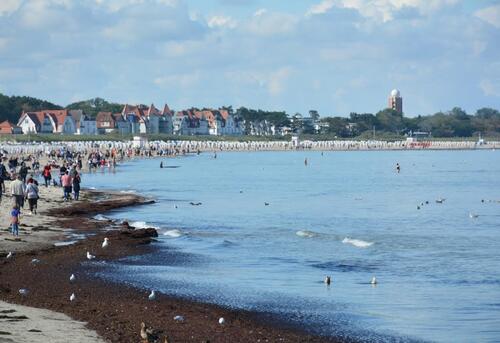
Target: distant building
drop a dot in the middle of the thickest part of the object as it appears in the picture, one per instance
(6, 127)
(396, 101)
(138, 119)
(48, 121)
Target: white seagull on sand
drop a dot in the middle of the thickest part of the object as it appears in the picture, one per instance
(105, 243)
(90, 256)
(23, 291)
(35, 261)
(72, 297)
(222, 321)
(9, 255)
(72, 278)
(152, 295)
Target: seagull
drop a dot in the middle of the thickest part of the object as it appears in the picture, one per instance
(9, 255)
(72, 278)
(105, 243)
(418, 207)
(23, 291)
(179, 318)
(35, 261)
(473, 215)
(90, 256)
(266, 204)
(152, 295)
(72, 297)
(222, 321)
(440, 200)
(374, 281)
(328, 280)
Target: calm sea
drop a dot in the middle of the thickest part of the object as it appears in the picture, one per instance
(346, 214)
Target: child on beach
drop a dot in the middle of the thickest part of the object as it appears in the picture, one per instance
(14, 221)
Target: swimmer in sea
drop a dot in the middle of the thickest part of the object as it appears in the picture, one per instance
(398, 167)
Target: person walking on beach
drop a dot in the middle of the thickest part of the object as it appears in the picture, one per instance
(14, 220)
(4, 175)
(17, 191)
(47, 175)
(23, 171)
(62, 172)
(67, 185)
(32, 195)
(76, 186)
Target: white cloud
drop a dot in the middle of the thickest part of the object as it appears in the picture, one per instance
(219, 21)
(490, 87)
(323, 7)
(382, 10)
(9, 6)
(260, 12)
(490, 15)
(271, 23)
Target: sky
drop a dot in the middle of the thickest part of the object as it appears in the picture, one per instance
(333, 56)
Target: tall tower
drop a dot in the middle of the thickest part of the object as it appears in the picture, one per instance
(396, 101)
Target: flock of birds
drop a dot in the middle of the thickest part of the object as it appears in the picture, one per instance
(442, 200)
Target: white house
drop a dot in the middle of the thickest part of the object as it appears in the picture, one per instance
(47, 121)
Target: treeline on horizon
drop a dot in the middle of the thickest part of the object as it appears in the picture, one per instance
(453, 123)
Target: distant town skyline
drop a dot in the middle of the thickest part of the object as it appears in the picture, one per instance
(333, 56)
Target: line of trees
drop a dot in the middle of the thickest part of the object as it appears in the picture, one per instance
(453, 123)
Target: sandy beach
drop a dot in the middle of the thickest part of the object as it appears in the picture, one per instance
(113, 311)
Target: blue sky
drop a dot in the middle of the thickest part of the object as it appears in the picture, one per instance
(335, 56)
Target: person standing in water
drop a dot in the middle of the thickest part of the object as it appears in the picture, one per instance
(305, 161)
(398, 168)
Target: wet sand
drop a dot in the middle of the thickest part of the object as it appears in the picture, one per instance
(115, 311)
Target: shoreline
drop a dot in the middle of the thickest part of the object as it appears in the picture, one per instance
(118, 318)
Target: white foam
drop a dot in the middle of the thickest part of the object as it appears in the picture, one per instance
(357, 242)
(142, 225)
(100, 217)
(173, 233)
(128, 192)
(305, 233)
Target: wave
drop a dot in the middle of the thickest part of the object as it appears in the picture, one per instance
(306, 233)
(142, 225)
(357, 242)
(173, 233)
(101, 218)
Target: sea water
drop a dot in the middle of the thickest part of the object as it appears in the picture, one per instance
(270, 228)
